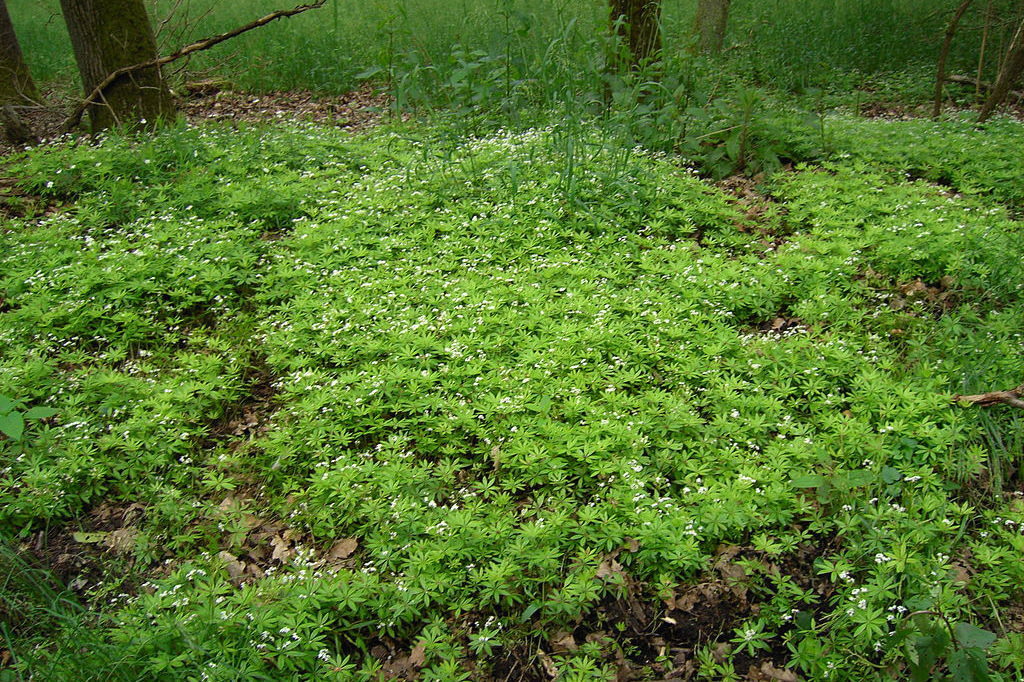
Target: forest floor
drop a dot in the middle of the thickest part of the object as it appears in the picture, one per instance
(208, 101)
(528, 405)
(212, 100)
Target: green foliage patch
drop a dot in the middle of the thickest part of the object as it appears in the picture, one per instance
(495, 384)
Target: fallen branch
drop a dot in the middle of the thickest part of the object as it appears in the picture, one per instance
(984, 85)
(206, 43)
(1011, 397)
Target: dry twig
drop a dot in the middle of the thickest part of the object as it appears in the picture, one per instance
(1011, 397)
(982, 85)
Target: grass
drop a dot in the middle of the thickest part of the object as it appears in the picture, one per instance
(420, 399)
(420, 48)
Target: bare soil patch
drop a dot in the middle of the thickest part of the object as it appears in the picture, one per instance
(215, 101)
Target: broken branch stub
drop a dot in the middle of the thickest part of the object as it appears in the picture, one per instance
(1013, 397)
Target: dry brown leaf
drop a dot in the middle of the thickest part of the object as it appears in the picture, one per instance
(282, 549)
(563, 641)
(236, 568)
(343, 549)
(633, 545)
(780, 674)
(609, 567)
(418, 656)
(726, 552)
(735, 577)
(548, 664)
(688, 600)
(122, 541)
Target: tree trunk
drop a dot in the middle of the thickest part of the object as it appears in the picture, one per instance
(940, 76)
(1012, 69)
(709, 25)
(637, 24)
(16, 86)
(107, 35)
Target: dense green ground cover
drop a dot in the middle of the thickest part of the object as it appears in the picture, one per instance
(442, 399)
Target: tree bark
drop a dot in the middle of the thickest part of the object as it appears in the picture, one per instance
(709, 25)
(16, 85)
(637, 24)
(1012, 69)
(205, 44)
(107, 35)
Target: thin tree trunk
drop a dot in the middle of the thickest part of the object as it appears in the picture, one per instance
(637, 23)
(940, 76)
(981, 50)
(16, 85)
(709, 25)
(110, 34)
(1011, 70)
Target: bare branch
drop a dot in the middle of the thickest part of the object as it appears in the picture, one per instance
(982, 85)
(1011, 397)
(204, 44)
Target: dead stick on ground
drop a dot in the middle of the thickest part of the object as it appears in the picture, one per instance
(1012, 397)
(204, 44)
(983, 85)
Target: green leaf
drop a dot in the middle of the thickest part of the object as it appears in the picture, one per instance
(968, 665)
(891, 475)
(89, 538)
(929, 649)
(807, 481)
(12, 425)
(732, 146)
(972, 637)
(528, 613)
(6, 404)
(39, 412)
(804, 620)
(369, 73)
(543, 405)
(854, 479)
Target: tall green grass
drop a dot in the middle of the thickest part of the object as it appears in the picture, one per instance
(47, 630)
(427, 46)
